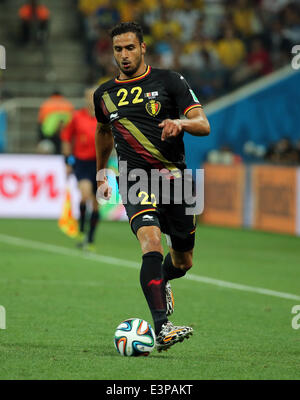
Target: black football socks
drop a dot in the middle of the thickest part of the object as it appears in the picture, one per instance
(169, 271)
(82, 209)
(93, 224)
(94, 219)
(153, 285)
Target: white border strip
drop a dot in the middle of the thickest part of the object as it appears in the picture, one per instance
(15, 241)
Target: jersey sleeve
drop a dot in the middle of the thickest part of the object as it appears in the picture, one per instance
(101, 113)
(182, 93)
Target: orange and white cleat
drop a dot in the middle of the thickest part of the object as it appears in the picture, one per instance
(170, 334)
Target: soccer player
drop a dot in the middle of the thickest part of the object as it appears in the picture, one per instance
(140, 112)
(78, 147)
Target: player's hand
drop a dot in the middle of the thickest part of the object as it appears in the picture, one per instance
(171, 128)
(104, 190)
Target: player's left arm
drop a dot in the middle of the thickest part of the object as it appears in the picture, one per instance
(196, 123)
(66, 137)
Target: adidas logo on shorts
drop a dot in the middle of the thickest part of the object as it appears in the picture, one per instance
(148, 218)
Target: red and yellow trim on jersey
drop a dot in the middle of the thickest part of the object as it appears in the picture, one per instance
(141, 212)
(189, 108)
(138, 141)
(193, 232)
(148, 146)
(137, 78)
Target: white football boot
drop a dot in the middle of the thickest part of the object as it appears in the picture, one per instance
(170, 334)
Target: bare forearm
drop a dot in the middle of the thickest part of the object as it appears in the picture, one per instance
(196, 123)
(104, 145)
(196, 126)
(66, 148)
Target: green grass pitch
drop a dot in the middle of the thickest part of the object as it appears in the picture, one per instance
(62, 306)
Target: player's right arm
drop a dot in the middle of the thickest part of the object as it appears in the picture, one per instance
(104, 145)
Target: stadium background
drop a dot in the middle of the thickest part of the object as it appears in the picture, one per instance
(237, 56)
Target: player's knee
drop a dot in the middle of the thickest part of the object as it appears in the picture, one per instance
(85, 188)
(152, 244)
(85, 195)
(84, 198)
(150, 239)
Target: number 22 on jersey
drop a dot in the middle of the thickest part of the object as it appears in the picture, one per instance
(123, 94)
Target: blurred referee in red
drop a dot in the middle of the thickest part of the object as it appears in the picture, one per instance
(78, 147)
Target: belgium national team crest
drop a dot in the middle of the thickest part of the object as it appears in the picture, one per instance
(153, 107)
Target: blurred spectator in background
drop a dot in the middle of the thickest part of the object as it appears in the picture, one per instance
(78, 147)
(232, 52)
(245, 19)
(130, 10)
(166, 50)
(34, 19)
(107, 14)
(97, 17)
(200, 63)
(103, 57)
(253, 152)
(188, 16)
(210, 42)
(87, 7)
(282, 152)
(273, 7)
(258, 63)
(166, 26)
(258, 58)
(54, 114)
(109, 73)
(291, 18)
(225, 155)
(279, 46)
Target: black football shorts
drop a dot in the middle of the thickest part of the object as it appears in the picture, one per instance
(148, 210)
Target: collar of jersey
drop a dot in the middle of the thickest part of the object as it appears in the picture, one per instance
(137, 78)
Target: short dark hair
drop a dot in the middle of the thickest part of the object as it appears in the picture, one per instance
(125, 27)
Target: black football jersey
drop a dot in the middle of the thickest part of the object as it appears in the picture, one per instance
(135, 107)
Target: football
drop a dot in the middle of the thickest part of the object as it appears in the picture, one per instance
(134, 337)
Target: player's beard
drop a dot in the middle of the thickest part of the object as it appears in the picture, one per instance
(131, 71)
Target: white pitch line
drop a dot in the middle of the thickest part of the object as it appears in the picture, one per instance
(51, 248)
(61, 282)
(244, 288)
(12, 240)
